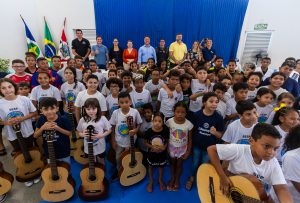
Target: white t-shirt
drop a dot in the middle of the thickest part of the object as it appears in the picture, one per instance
(230, 92)
(271, 117)
(230, 107)
(179, 132)
(227, 96)
(37, 93)
(139, 99)
(221, 108)
(280, 150)
(291, 171)
(167, 104)
(83, 96)
(112, 104)
(69, 93)
(241, 161)
(100, 127)
(119, 120)
(151, 87)
(263, 112)
(198, 87)
(251, 94)
(21, 106)
(236, 133)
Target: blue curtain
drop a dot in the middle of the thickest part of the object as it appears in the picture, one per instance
(220, 20)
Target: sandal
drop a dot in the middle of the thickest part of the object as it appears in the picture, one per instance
(170, 185)
(162, 186)
(176, 188)
(3, 152)
(189, 184)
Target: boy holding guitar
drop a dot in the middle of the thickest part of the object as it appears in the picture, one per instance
(256, 159)
(51, 120)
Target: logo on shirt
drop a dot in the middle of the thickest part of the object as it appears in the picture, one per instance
(70, 96)
(14, 114)
(123, 130)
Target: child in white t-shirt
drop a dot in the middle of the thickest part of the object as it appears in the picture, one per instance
(239, 131)
(154, 85)
(120, 131)
(256, 159)
(240, 91)
(16, 109)
(165, 103)
(284, 120)
(138, 95)
(263, 105)
(180, 143)
(114, 85)
(199, 87)
(90, 92)
(101, 128)
(105, 90)
(70, 89)
(44, 89)
(291, 163)
(253, 81)
(220, 90)
(24, 89)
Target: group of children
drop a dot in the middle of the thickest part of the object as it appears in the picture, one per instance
(197, 110)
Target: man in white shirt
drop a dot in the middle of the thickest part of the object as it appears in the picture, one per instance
(264, 68)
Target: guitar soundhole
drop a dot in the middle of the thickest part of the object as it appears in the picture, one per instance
(236, 196)
(132, 164)
(92, 178)
(74, 139)
(55, 177)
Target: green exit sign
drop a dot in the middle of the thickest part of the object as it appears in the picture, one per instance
(261, 26)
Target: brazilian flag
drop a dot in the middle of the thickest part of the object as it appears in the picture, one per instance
(50, 49)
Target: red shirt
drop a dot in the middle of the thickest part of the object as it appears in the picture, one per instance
(132, 55)
(17, 79)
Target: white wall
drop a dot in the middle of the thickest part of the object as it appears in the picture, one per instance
(283, 17)
(79, 13)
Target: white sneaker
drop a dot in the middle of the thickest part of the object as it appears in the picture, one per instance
(3, 198)
(37, 180)
(28, 183)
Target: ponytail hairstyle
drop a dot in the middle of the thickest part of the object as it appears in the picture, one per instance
(75, 75)
(282, 112)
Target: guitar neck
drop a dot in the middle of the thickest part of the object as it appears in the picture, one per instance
(23, 146)
(91, 158)
(132, 151)
(71, 118)
(52, 158)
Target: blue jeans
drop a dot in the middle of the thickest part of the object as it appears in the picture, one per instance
(199, 157)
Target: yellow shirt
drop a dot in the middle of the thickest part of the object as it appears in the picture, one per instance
(178, 51)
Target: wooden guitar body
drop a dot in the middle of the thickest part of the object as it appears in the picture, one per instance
(28, 171)
(93, 189)
(6, 180)
(79, 154)
(130, 175)
(246, 188)
(60, 189)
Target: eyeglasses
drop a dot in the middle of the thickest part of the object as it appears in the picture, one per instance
(18, 66)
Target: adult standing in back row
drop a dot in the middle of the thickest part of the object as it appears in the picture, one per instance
(81, 47)
(177, 51)
(146, 51)
(101, 53)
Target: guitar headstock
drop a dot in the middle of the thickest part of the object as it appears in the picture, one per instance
(17, 127)
(129, 121)
(90, 130)
(49, 134)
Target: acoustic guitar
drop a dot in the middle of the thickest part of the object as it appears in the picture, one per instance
(246, 188)
(132, 170)
(28, 162)
(58, 183)
(6, 180)
(94, 185)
